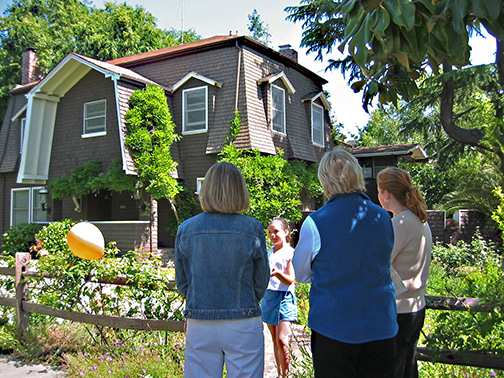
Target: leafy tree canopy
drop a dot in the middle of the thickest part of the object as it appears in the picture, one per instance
(56, 27)
(390, 43)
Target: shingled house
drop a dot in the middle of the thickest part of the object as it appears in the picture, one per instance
(76, 113)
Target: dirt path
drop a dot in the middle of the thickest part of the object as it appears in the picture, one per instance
(297, 333)
(11, 367)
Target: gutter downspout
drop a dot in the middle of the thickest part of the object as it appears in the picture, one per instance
(238, 75)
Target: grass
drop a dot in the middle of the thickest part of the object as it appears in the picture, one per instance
(85, 351)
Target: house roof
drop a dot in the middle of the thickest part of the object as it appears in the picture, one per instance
(414, 151)
(208, 44)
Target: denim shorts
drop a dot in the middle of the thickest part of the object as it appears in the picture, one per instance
(278, 305)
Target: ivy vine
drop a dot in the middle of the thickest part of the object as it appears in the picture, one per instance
(89, 178)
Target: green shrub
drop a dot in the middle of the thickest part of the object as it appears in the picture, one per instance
(477, 253)
(466, 270)
(303, 302)
(8, 341)
(20, 238)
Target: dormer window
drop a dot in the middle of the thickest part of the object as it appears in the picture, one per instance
(278, 109)
(95, 116)
(195, 110)
(317, 128)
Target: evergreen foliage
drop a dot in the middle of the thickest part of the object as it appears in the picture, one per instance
(258, 30)
(150, 134)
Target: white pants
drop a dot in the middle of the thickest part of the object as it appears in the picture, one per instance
(210, 343)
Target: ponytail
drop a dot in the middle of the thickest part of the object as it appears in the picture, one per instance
(398, 182)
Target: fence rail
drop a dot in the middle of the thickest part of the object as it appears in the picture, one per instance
(24, 308)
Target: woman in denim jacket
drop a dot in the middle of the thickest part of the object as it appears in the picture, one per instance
(222, 271)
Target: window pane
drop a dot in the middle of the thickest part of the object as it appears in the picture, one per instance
(195, 110)
(20, 203)
(317, 124)
(95, 125)
(21, 199)
(95, 109)
(38, 214)
(94, 117)
(19, 216)
(277, 108)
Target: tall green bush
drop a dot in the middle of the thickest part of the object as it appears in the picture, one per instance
(274, 183)
(150, 134)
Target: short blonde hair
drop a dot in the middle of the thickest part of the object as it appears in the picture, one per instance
(339, 172)
(224, 190)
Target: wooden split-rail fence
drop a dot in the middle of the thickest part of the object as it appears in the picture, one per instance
(24, 308)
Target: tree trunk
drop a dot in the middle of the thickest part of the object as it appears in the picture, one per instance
(470, 137)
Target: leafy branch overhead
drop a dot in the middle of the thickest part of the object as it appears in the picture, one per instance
(417, 51)
(390, 43)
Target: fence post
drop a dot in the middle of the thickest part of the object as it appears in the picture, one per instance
(22, 318)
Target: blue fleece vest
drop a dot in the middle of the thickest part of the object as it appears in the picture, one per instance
(352, 297)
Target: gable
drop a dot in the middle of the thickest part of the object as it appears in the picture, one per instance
(42, 108)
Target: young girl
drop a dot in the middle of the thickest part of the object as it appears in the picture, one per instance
(279, 304)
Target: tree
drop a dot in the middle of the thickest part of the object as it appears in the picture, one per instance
(56, 27)
(390, 44)
(394, 47)
(150, 134)
(258, 30)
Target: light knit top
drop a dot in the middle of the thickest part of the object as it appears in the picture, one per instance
(411, 259)
(280, 260)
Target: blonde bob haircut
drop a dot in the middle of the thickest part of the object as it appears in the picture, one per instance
(224, 190)
(339, 172)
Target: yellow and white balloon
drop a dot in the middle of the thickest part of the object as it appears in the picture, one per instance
(86, 241)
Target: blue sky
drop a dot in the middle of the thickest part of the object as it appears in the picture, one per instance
(220, 17)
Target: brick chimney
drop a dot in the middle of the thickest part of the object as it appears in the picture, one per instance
(289, 52)
(30, 71)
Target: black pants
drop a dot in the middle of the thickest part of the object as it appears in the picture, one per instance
(410, 326)
(333, 358)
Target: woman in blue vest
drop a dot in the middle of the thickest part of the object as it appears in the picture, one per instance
(344, 250)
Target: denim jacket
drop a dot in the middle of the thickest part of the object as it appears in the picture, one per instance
(221, 266)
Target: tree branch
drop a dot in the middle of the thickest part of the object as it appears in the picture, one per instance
(471, 137)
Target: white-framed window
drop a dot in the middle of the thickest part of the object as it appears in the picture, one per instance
(95, 118)
(23, 128)
(25, 206)
(317, 124)
(195, 110)
(199, 183)
(278, 109)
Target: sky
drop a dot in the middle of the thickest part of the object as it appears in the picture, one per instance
(209, 18)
